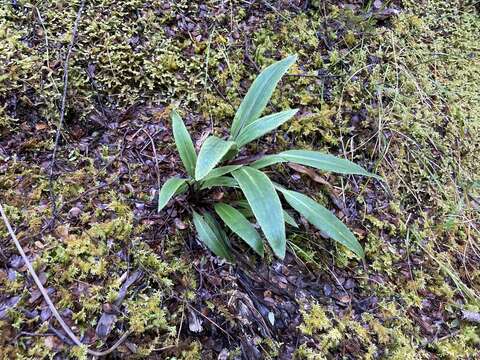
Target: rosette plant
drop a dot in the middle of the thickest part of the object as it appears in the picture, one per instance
(213, 166)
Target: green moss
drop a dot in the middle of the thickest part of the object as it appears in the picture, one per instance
(400, 97)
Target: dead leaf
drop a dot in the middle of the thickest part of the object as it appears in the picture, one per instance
(39, 244)
(53, 342)
(218, 195)
(201, 140)
(194, 322)
(40, 126)
(310, 172)
(180, 224)
(377, 4)
(62, 232)
(105, 325)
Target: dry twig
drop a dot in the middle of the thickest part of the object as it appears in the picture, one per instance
(62, 111)
(49, 302)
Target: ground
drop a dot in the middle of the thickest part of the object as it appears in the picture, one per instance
(393, 86)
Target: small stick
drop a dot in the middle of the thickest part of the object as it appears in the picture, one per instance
(62, 111)
(157, 168)
(49, 302)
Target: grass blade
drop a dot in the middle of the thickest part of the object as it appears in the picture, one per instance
(184, 143)
(240, 226)
(265, 204)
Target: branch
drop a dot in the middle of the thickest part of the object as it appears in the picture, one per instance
(62, 110)
(49, 302)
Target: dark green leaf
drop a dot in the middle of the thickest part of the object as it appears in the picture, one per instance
(225, 181)
(222, 170)
(171, 187)
(240, 226)
(207, 235)
(289, 219)
(262, 126)
(212, 151)
(215, 226)
(184, 143)
(322, 219)
(267, 160)
(259, 94)
(325, 162)
(265, 204)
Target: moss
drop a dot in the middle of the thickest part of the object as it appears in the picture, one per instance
(146, 313)
(399, 96)
(314, 320)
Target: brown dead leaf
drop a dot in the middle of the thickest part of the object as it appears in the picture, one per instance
(201, 140)
(62, 231)
(40, 126)
(159, 115)
(344, 298)
(360, 232)
(310, 172)
(218, 195)
(53, 343)
(39, 244)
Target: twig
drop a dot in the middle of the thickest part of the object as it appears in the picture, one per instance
(62, 111)
(49, 302)
(157, 168)
(208, 319)
(42, 23)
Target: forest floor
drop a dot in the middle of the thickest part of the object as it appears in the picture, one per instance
(393, 86)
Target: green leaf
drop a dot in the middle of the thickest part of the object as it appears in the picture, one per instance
(184, 143)
(212, 151)
(263, 125)
(222, 170)
(215, 226)
(240, 226)
(219, 181)
(315, 159)
(259, 94)
(323, 219)
(207, 235)
(265, 204)
(267, 160)
(171, 187)
(289, 219)
(325, 162)
(246, 210)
